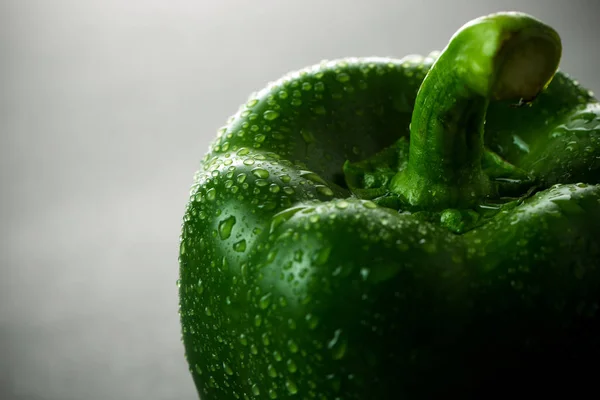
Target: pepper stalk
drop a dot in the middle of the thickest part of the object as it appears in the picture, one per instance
(501, 56)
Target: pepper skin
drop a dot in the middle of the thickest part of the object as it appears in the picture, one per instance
(372, 228)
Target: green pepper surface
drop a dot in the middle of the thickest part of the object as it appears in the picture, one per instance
(373, 228)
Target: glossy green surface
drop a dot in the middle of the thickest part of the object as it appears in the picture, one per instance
(302, 277)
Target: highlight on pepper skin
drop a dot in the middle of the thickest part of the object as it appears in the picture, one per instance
(378, 228)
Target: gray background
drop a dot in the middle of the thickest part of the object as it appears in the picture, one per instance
(106, 107)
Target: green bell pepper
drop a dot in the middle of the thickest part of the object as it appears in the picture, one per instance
(372, 228)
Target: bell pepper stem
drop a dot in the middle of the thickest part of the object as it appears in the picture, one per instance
(498, 57)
